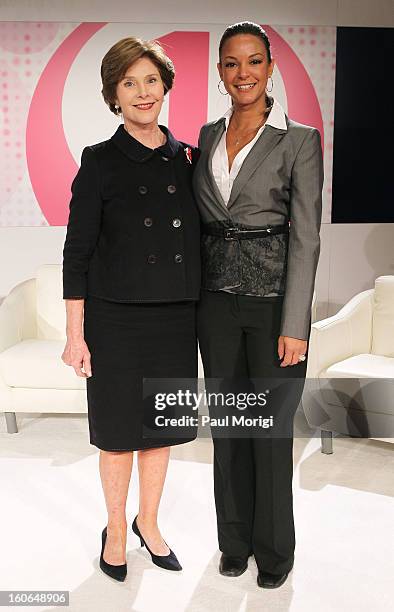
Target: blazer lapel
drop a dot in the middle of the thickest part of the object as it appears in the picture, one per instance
(263, 146)
(212, 143)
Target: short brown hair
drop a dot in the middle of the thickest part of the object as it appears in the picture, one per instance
(124, 53)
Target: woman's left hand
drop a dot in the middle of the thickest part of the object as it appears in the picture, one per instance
(289, 349)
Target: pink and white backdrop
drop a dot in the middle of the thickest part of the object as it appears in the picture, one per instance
(51, 105)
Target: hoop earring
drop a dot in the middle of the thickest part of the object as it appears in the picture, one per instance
(220, 91)
(272, 85)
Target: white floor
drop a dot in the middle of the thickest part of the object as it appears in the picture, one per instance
(52, 514)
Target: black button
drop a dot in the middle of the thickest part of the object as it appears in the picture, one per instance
(171, 189)
(164, 158)
(152, 259)
(143, 189)
(178, 258)
(148, 221)
(176, 222)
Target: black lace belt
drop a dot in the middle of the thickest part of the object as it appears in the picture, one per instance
(234, 233)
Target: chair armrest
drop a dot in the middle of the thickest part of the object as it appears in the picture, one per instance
(18, 314)
(347, 333)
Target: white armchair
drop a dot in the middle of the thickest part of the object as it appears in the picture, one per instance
(33, 378)
(350, 386)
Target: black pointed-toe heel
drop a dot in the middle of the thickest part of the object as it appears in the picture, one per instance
(168, 562)
(117, 572)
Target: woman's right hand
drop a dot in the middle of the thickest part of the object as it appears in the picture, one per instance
(77, 355)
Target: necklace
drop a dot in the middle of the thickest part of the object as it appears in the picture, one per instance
(239, 137)
(162, 136)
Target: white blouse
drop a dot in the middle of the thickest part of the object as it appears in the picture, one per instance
(225, 179)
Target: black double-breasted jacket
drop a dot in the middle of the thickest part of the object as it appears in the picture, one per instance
(133, 233)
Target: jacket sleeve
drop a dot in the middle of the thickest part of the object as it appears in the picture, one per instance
(304, 240)
(83, 227)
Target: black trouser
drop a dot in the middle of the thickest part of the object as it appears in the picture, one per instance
(238, 337)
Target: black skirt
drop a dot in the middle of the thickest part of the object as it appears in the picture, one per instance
(128, 342)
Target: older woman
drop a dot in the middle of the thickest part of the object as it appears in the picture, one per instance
(131, 277)
(258, 173)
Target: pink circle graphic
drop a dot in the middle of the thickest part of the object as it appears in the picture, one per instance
(50, 163)
(49, 160)
(302, 102)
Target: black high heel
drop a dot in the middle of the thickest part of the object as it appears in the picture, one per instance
(118, 572)
(168, 562)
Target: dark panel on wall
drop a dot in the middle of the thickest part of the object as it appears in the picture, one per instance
(363, 170)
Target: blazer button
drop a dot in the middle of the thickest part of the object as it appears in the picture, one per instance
(143, 189)
(178, 258)
(152, 259)
(171, 189)
(148, 222)
(176, 222)
(164, 158)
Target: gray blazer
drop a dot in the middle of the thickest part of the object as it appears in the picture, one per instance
(280, 181)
